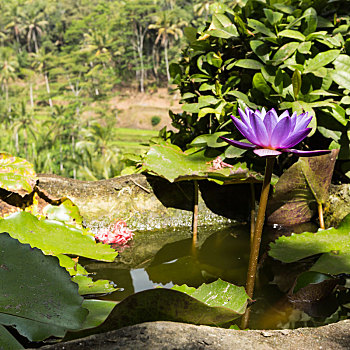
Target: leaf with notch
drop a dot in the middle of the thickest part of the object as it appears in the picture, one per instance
(299, 188)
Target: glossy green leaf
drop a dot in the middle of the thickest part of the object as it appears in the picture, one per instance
(321, 60)
(39, 298)
(311, 20)
(296, 81)
(284, 52)
(299, 188)
(260, 27)
(222, 27)
(210, 140)
(261, 49)
(53, 237)
(16, 173)
(333, 244)
(293, 34)
(305, 47)
(272, 16)
(249, 64)
(341, 73)
(260, 83)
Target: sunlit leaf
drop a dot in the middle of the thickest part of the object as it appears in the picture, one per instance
(16, 173)
(66, 212)
(170, 162)
(213, 304)
(53, 237)
(333, 244)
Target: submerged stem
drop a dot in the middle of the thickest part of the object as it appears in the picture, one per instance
(255, 246)
(195, 213)
(320, 215)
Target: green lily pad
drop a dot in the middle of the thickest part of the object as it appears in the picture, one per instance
(171, 163)
(37, 296)
(16, 174)
(213, 304)
(333, 244)
(300, 188)
(54, 238)
(80, 276)
(66, 212)
(88, 286)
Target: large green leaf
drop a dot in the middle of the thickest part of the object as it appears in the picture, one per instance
(16, 173)
(170, 162)
(213, 304)
(53, 237)
(37, 296)
(299, 188)
(334, 243)
(66, 212)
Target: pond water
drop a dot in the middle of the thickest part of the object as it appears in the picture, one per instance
(168, 257)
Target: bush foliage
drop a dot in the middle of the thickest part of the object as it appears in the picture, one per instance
(274, 54)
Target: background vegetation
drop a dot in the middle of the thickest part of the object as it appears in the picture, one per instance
(61, 60)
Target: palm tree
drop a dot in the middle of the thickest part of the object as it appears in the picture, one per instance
(33, 24)
(167, 24)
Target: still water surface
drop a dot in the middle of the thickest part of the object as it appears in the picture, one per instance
(167, 257)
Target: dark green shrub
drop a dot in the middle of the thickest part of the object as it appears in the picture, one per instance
(155, 120)
(282, 54)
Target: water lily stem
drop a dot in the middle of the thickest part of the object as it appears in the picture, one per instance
(320, 215)
(252, 213)
(255, 247)
(195, 213)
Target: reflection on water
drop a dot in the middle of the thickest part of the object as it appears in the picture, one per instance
(167, 257)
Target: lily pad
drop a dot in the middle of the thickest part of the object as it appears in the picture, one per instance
(54, 238)
(214, 304)
(300, 188)
(66, 212)
(333, 244)
(37, 296)
(88, 286)
(80, 276)
(171, 163)
(16, 174)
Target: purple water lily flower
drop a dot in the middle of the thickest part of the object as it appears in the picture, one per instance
(270, 134)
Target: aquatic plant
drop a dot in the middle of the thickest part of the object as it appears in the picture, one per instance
(270, 135)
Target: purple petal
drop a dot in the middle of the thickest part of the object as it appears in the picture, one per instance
(270, 121)
(280, 133)
(244, 116)
(306, 153)
(265, 152)
(258, 126)
(295, 138)
(302, 122)
(284, 114)
(246, 131)
(238, 144)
